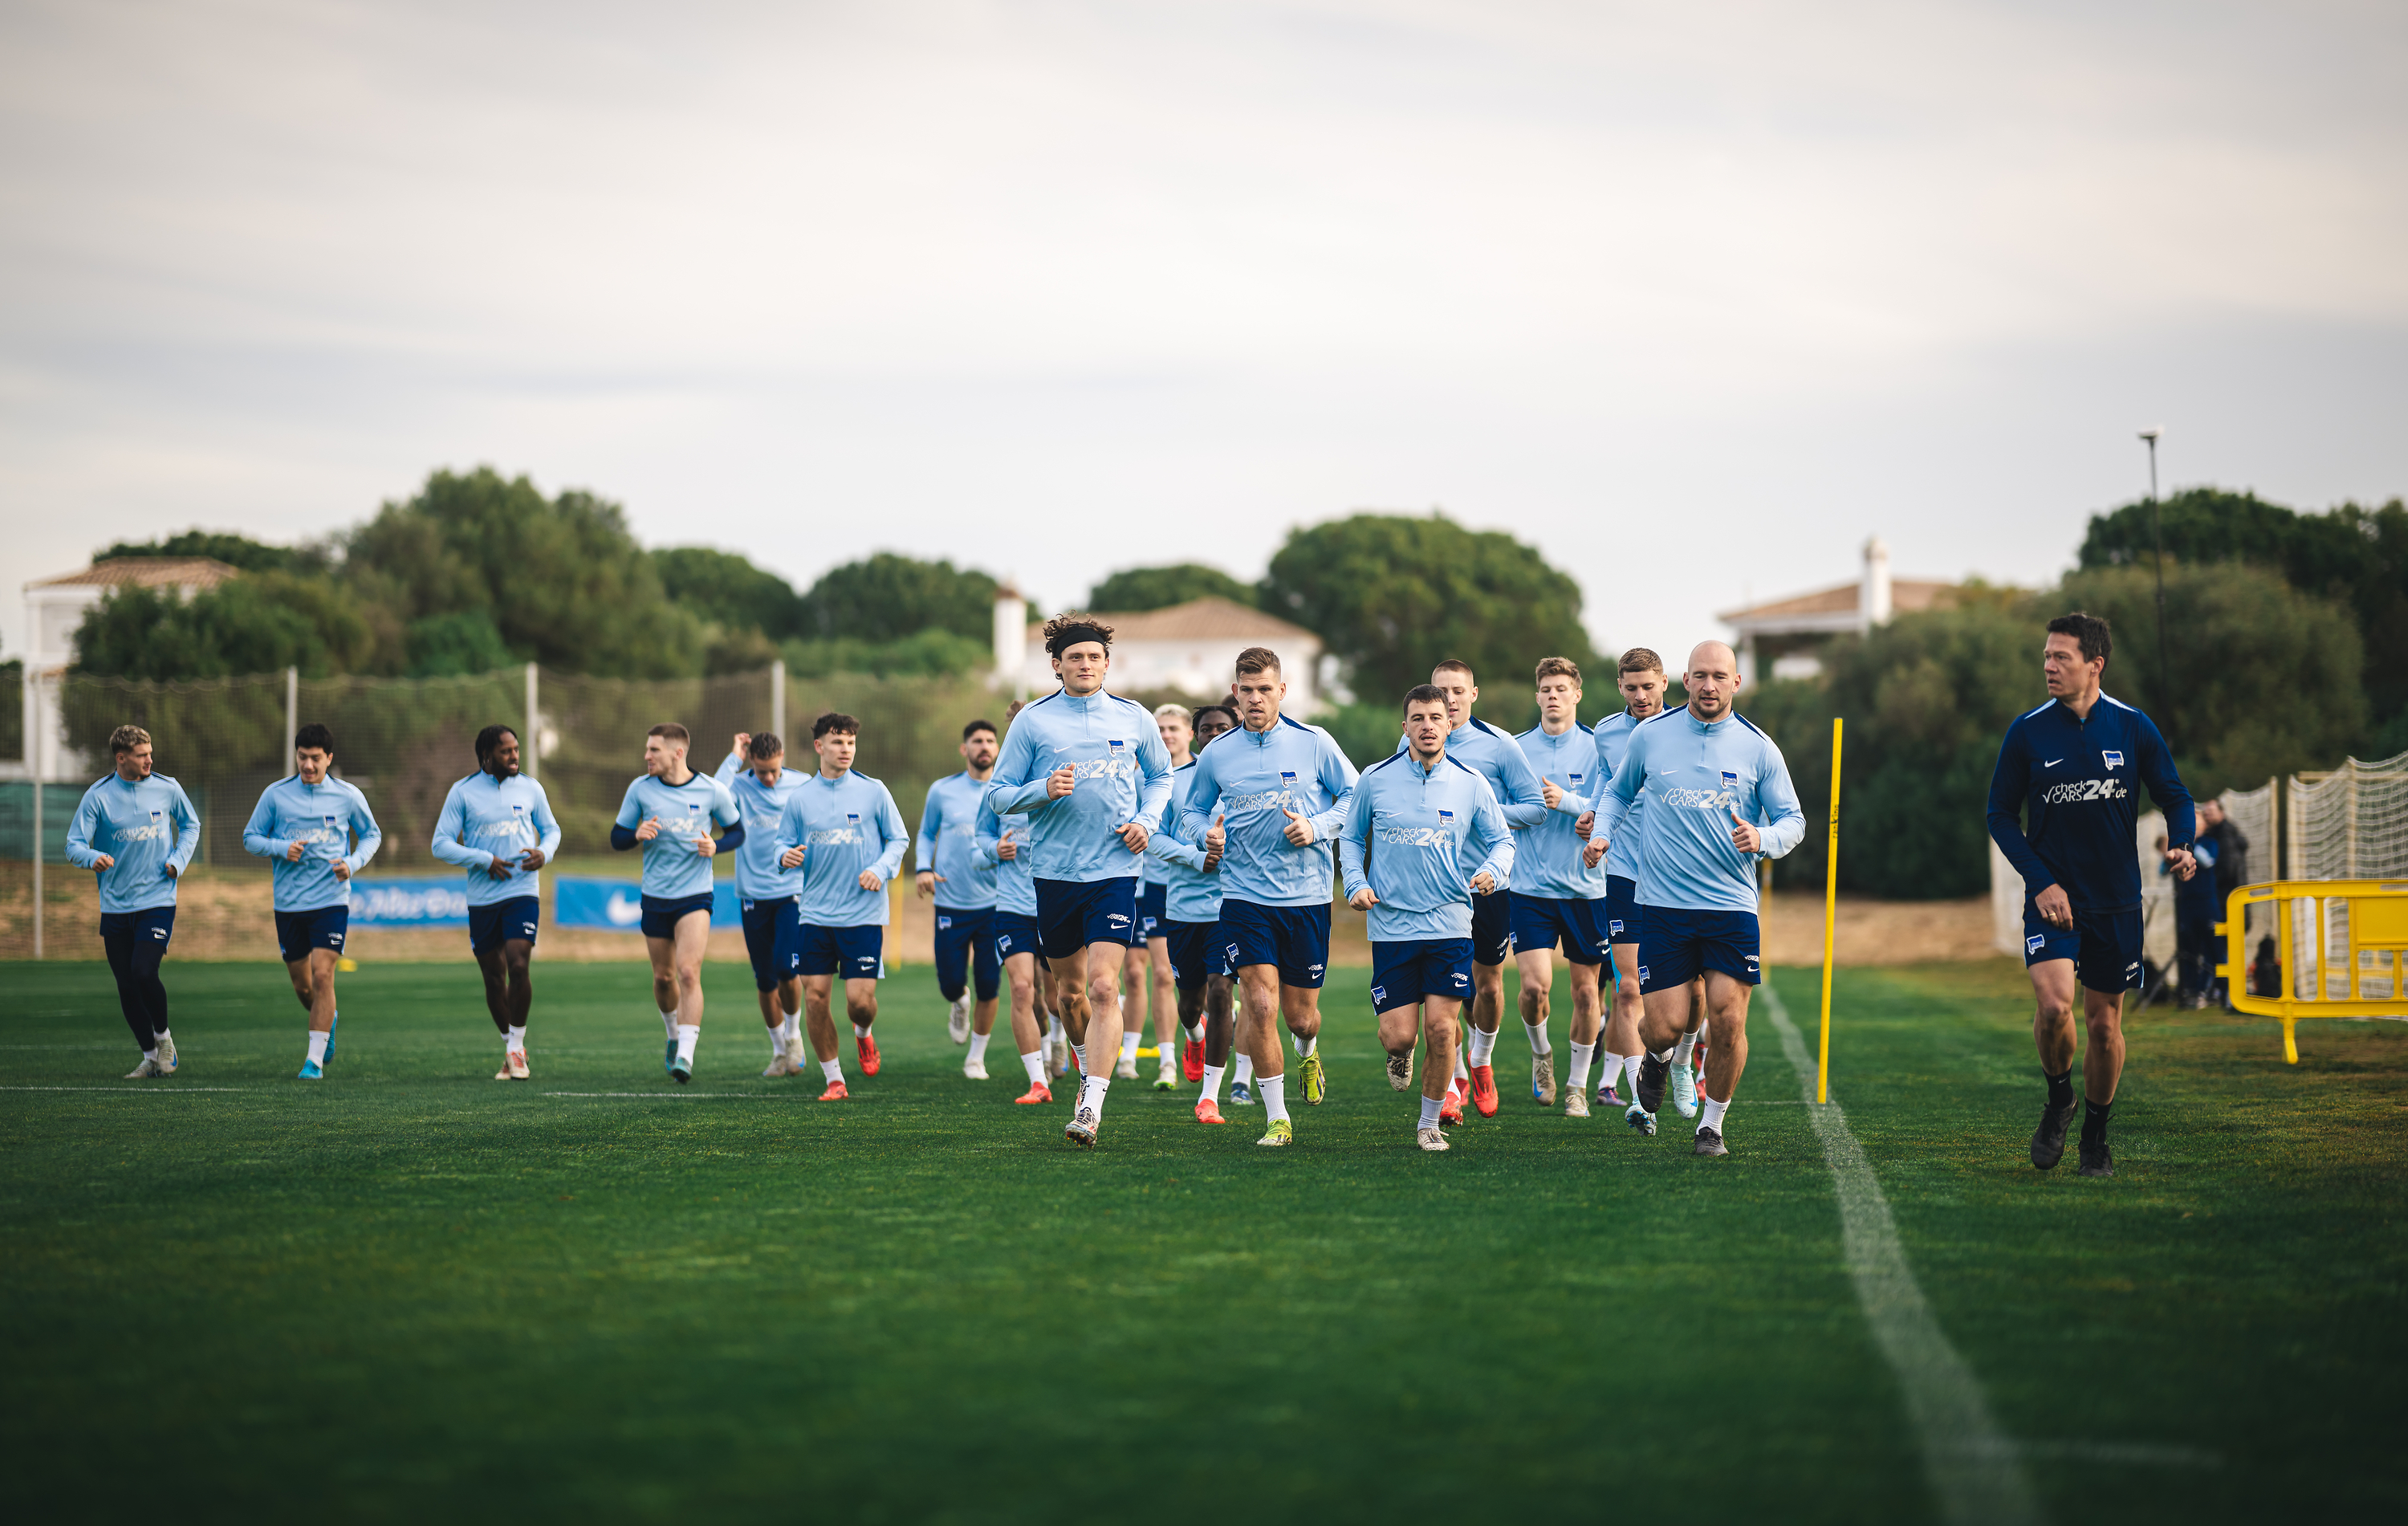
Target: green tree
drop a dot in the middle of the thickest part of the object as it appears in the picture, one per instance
(249, 624)
(889, 596)
(451, 646)
(1135, 588)
(237, 551)
(1393, 593)
(730, 592)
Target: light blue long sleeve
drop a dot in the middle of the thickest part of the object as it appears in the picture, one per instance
(1408, 833)
(1189, 894)
(759, 877)
(1122, 776)
(323, 818)
(1548, 856)
(673, 869)
(845, 826)
(1016, 887)
(147, 829)
(1695, 775)
(948, 840)
(486, 819)
(1254, 779)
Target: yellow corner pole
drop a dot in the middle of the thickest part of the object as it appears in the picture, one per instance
(1831, 921)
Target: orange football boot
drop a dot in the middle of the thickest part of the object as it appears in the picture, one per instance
(835, 1093)
(1191, 1061)
(866, 1048)
(1038, 1094)
(1483, 1089)
(1451, 1109)
(1208, 1111)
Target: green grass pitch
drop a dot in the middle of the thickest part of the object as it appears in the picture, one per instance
(409, 1293)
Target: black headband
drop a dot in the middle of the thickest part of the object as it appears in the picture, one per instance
(1070, 635)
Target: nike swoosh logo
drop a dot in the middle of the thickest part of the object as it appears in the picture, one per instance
(2052, 762)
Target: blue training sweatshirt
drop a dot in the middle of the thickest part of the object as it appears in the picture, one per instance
(1188, 894)
(1016, 887)
(322, 817)
(484, 819)
(1408, 832)
(949, 827)
(1628, 850)
(1123, 775)
(1547, 856)
(673, 867)
(2072, 781)
(147, 828)
(844, 825)
(759, 877)
(1694, 774)
(1254, 779)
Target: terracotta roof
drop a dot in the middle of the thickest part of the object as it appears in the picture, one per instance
(1210, 619)
(146, 572)
(1906, 597)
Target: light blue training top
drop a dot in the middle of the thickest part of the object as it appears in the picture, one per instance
(1547, 856)
(1408, 832)
(1492, 755)
(673, 870)
(1016, 886)
(758, 874)
(1188, 894)
(1628, 849)
(1254, 779)
(148, 828)
(949, 829)
(1693, 775)
(484, 819)
(844, 825)
(1123, 775)
(322, 817)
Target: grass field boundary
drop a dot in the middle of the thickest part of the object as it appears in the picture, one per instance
(1974, 1467)
(135, 1092)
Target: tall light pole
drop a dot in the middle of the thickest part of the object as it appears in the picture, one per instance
(2157, 539)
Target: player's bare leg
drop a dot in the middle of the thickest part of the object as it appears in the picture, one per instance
(677, 986)
(1535, 970)
(1022, 980)
(510, 995)
(2054, 985)
(1165, 998)
(1487, 1016)
(782, 1008)
(1666, 1019)
(1216, 1004)
(1089, 979)
(1433, 1023)
(1134, 990)
(1621, 1042)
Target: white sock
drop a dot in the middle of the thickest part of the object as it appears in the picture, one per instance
(1052, 1025)
(1631, 1063)
(1462, 1071)
(1212, 1074)
(1538, 1045)
(1682, 1050)
(515, 1040)
(1091, 1092)
(1481, 1045)
(151, 1054)
(1035, 1065)
(162, 1036)
(861, 1031)
(1169, 1055)
(687, 1034)
(1245, 1069)
(777, 1036)
(1610, 1076)
(978, 1046)
(1274, 1091)
(1581, 1054)
(317, 1047)
(1193, 1035)
(1081, 1050)
(833, 1069)
(669, 1024)
(1429, 1111)
(1304, 1046)
(1710, 1114)
(1128, 1048)
(789, 1032)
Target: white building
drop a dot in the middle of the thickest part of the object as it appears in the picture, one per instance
(1190, 649)
(54, 606)
(1790, 633)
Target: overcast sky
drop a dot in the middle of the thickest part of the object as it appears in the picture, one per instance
(1691, 296)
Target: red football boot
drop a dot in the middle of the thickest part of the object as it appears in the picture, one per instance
(1208, 1111)
(1451, 1109)
(1038, 1094)
(1483, 1089)
(1191, 1061)
(835, 1093)
(866, 1047)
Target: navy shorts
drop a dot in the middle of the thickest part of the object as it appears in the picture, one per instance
(966, 939)
(1294, 938)
(1404, 972)
(2104, 946)
(855, 953)
(1677, 943)
(662, 913)
(1198, 951)
(1621, 909)
(773, 932)
(1492, 928)
(151, 925)
(1542, 921)
(1153, 911)
(323, 927)
(1072, 914)
(1015, 932)
(504, 921)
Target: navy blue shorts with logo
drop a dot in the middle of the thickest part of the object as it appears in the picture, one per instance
(504, 921)
(1015, 932)
(1542, 921)
(1621, 909)
(1677, 943)
(965, 953)
(1072, 914)
(773, 939)
(1198, 950)
(1405, 972)
(854, 953)
(320, 927)
(662, 913)
(1294, 938)
(2104, 946)
(1153, 911)
(1492, 928)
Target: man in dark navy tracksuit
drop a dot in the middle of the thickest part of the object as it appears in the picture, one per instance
(2069, 769)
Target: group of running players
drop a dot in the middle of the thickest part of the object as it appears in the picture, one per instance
(1097, 860)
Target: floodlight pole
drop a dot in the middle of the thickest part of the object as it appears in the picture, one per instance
(2157, 539)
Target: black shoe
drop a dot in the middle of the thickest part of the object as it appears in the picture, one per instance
(1710, 1141)
(2049, 1140)
(2097, 1160)
(1653, 1074)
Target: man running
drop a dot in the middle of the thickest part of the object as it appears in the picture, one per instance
(497, 824)
(947, 857)
(669, 810)
(1271, 797)
(2068, 768)
(138, 831)
(842, 831)
(1002, 848)
(1719, 798)
(1560, 890)
(1088, 770)
(306, 824)
(1413, 819)
(1147, 983)
(755, 774)
(1191, 879)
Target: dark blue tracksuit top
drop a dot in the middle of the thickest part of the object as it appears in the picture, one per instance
(2072, 780)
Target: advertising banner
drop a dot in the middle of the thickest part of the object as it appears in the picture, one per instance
(618, 904)
(410, 903)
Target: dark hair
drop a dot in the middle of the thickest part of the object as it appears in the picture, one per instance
(1197, 720)
(314, 735)
(835, 720)
(671, 731)
(1426, 694)
(1640, 659)
(490, 738)
(976, 726)
(1558, 667)
(1454, 664)
(2088, 629)
(1258, 660)
(764, 746)
(1065, 631)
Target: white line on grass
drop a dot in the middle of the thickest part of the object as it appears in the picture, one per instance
(1973, 1466)
(132, 1091)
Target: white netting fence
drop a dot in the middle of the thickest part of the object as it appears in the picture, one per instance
(2351, 824)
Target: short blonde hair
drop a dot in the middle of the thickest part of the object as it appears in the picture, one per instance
(1177, 712)
(1558, 667)
(125, 739)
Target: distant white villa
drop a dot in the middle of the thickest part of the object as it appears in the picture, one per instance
(54, 606)
(1790, 633)
(1191, 649)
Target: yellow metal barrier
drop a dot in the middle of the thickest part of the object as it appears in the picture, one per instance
(2376, 923)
